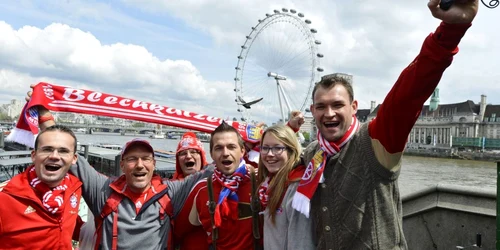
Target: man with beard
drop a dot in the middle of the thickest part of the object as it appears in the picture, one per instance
(350, 187)
(222, 207)
(39, 207)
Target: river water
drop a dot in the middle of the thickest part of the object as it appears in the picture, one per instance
(417, 172)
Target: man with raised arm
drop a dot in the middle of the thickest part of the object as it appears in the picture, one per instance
(350, 187)
(134, 210)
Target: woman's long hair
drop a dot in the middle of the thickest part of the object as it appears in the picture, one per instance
(278, 184)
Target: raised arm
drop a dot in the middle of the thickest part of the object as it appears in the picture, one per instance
(402, 106)
(93, 182)
(179, 190)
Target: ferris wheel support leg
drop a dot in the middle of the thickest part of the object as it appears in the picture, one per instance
(286, 99)
(279, 99)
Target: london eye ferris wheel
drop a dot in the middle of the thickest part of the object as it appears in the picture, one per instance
(277, 67)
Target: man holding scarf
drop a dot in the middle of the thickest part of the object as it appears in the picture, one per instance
(39, 207)
(134, 209)
(350, 188)
(231, 189)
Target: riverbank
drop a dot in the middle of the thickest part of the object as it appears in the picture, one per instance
(453, 154)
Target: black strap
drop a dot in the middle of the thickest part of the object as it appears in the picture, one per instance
(211, 209)
(255, 206)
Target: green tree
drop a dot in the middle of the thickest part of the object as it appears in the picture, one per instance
(4, 117)
(138, 125)
(306, 135)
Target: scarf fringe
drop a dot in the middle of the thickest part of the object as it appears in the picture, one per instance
(22, 136)
(301, 203)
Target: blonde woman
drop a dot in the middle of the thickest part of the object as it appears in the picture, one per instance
(279, 174)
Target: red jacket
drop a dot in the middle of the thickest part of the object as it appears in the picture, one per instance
(24, 222)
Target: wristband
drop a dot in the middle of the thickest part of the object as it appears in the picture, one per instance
(45, 118)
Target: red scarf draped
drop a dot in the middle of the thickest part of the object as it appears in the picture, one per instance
(227, 205)
(265, 192)
(314, 171)
(52, 198)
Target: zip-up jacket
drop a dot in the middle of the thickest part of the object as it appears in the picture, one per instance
(143, 230)
(26, 224)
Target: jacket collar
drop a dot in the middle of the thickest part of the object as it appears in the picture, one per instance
(120, 184)
(19, 186)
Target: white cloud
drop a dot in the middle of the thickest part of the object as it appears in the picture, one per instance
(63, 54)
(374, 40)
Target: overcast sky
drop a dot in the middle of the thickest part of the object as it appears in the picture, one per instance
(183, 53)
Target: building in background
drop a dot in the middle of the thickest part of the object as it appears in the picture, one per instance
(12, 109)
(464, 124)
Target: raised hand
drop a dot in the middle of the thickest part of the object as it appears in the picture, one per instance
(296, 120)
(462, 11)
(42, 111)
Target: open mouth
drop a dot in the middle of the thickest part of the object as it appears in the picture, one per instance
(271, 162)
(190, 164)
(331, 124)
(227, 162)
(52, 168)
(139, 174)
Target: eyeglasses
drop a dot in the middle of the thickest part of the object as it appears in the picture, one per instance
(192, 152)
(135, 160)
(46, 151)
(277, 150)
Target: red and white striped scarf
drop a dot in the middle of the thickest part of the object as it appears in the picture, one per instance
(68, 99)
(52, 198)
(227, 204)
(264, 191)
(314, 171)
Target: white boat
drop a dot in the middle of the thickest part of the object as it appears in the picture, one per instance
(108, 146)
(157, 136)
(80, 130)
(159, 133)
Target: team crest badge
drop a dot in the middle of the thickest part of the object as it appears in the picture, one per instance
(73, 201)
(186, 142)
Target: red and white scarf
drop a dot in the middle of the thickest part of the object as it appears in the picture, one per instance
(314, 171)
(67, 99)
(227, 204)
(52, 198)
(264, 192)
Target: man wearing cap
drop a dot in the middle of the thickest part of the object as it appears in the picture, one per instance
(147, 203)
(132, 211)
(190, 158)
